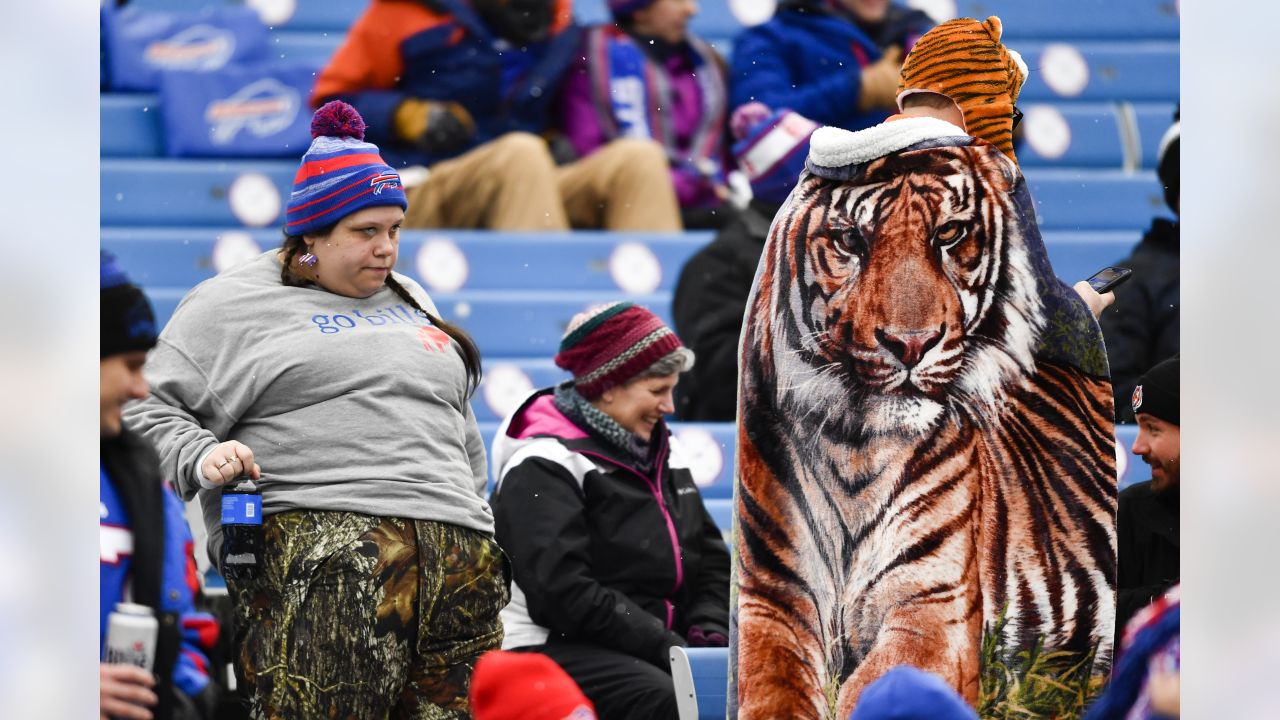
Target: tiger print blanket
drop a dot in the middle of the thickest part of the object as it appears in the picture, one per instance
(926, 451)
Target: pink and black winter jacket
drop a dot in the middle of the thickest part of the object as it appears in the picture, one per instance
(601, 552)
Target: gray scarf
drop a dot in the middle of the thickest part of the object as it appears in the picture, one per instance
(600, 424)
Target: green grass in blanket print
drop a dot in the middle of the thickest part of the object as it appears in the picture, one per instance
(1075, 337)
(1034, 682)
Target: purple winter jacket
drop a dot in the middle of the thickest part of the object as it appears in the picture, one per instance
(580, 122)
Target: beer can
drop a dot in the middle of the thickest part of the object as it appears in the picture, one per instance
(131, 636)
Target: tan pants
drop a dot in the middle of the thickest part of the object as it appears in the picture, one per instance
(511, 183)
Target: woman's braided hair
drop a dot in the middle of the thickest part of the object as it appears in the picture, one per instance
(294, 245)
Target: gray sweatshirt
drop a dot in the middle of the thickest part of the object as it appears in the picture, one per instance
(348, 404)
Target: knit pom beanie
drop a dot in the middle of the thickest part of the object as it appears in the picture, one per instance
(340, 173)
(964, 60)
(770, 148)
(610, 344)
(525, 686)
(127, 323)
(1156, 393)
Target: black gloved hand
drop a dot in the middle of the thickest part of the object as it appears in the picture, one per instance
(705, 638)
(663, 660)
(434, 127)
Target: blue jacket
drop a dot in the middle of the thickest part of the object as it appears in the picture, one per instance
(810, 59)
(145, 555)
(442, 50)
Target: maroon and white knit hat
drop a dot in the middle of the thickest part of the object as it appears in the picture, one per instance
(610, 344)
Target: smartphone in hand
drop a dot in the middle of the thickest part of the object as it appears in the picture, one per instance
(1108, 279)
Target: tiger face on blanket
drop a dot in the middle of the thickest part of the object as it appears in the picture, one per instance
(926, 444)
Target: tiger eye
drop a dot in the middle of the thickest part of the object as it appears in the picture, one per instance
(948, 232)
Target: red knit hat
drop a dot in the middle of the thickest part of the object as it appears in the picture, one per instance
(608, 345)
(528, 686)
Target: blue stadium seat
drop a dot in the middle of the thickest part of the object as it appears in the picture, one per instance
(182, 192)
(1077, 255)
(507, 381)
(450, 259)
(1094, 199)
(1071, 135)
(1153, 120)
(180, 257)
(576, 260)
(710, 667)
(312, 47)
(523, 323)
(1112, 71)
(194, 193)
(333, 16)
(1083, 19)
(184, 5)
(1130, 467)
(130, 125)
(721, 511)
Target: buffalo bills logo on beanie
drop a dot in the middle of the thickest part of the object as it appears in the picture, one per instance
(340, 173)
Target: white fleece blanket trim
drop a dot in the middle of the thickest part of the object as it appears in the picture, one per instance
(832, 147)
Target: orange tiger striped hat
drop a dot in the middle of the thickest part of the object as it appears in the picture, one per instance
(965, 60)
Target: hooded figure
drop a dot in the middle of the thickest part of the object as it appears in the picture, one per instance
(925, 437)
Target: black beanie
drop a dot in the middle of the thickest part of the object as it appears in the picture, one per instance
(1167, 168)
(1157, 392)
(127, 321)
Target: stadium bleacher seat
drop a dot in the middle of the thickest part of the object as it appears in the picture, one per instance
(311, 16)
(197, 192)
(721, 511)
(1086, 135)
(439, 259)
(1077, 199)
(130, 125)
(1152, 121)
(702, 674)
(453, 260)
(1125, 21)
(1130, 71)
(164, 191)
(314, 48)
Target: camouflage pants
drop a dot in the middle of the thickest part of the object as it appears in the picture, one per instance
(355, 616)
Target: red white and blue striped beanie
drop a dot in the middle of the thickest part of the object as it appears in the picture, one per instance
(340, 173)
(608, 345)
(770, 148)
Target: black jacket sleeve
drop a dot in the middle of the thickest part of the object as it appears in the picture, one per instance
(540, 523)
(1138, 583)
(710, 607)
(709, 302)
